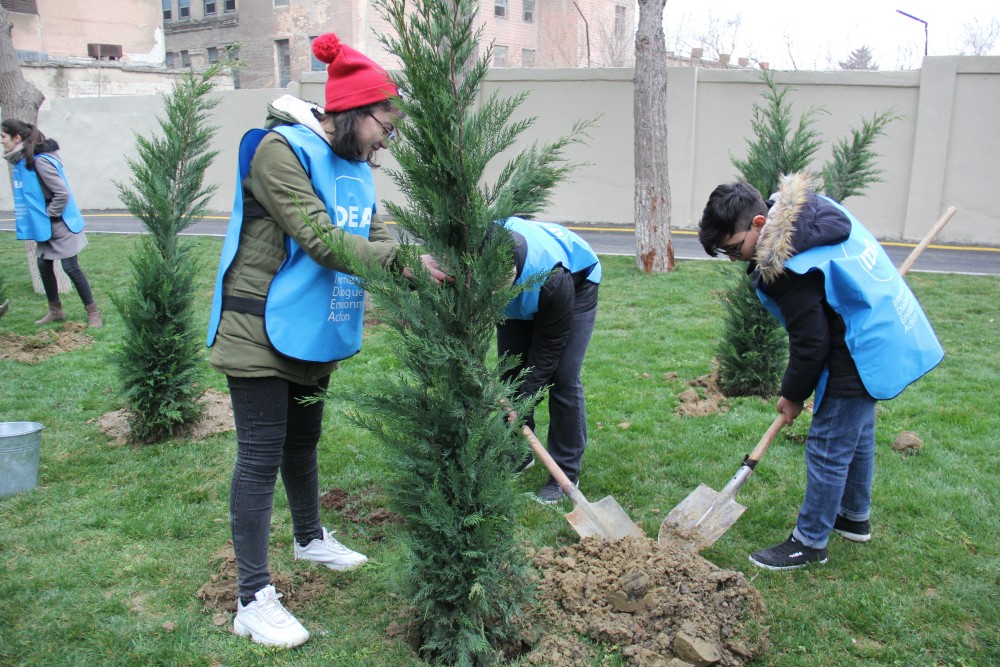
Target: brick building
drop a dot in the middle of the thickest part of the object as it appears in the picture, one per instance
(272, 38)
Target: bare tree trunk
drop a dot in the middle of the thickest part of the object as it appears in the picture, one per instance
(654, 251)
(19, 99)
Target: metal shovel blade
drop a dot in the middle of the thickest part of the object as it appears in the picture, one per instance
(605, 518)
(700, 519)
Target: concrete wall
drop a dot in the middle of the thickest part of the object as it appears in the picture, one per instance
(943, 151)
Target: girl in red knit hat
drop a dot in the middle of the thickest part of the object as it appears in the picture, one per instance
(286, 312)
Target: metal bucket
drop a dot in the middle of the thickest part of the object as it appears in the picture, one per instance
(20, 449)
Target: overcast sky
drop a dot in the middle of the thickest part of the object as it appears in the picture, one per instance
(809, 34)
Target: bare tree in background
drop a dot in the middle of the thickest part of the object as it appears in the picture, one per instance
(978, 39)
(614, 46)
(654, 251)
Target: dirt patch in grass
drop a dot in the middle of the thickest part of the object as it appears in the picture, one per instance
(661, 606)
(297, 588)
(702, 398)
(44, 344)
(361, 509)
(217, 417)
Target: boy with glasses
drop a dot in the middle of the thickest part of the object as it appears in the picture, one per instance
(856, 335)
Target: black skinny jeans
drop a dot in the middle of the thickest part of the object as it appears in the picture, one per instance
(47, 271)
(273, 432)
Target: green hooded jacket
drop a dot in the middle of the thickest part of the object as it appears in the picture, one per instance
(281, 186)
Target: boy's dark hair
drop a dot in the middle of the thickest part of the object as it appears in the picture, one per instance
(731, 208)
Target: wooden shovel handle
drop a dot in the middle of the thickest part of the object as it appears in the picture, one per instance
(926, 241)
(568, 487)
(765, 441)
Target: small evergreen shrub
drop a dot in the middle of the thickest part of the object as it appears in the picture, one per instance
(452, 452)
(160, 355)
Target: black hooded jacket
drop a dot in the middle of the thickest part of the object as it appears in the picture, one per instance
(801, 220)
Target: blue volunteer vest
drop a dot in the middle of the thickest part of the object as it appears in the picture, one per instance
(888, 335)
(31, 222)
(311, 313)
(549, 245)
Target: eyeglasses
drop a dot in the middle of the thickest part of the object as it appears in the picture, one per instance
(390, 132)
(729, 251)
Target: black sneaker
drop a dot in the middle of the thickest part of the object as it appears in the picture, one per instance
(855, 531)
(529, 460)
(789, 555)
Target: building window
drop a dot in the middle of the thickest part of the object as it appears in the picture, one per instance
(167, 13)
(185, 59)
(229, 6)
(280, 3)
(209, 7)
(527, 57)
(212, 53)
(620, 27)
(529, 11)
(171, 56)
(315, 64)
(283, 59)
(500, 7)
(184, 9)
(500, 56)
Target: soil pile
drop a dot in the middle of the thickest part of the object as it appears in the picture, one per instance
(44, 344)
(663, 606)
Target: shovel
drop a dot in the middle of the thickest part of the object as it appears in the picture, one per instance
(705, 514)
(605, 518)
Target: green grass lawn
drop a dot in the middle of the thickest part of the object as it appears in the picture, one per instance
(100, 564)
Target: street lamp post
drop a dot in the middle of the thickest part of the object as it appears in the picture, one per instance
(911, 16)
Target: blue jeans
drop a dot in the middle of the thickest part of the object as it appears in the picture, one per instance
(840, 467)
(567, 436)
(273, 431)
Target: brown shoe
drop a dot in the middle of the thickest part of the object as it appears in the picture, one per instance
(94, 316)
(55, 313)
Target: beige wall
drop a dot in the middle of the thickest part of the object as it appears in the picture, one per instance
(944, 151)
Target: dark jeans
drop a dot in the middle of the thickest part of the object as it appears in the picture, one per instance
(273, 431)
(840, 467)
(567, 436)
(47, 271)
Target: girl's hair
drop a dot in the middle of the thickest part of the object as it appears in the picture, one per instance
(344, 138)
(30, 135)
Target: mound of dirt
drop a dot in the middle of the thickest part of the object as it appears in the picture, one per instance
(44, 344)
(704, 397)
(663, 606)
(217, 417)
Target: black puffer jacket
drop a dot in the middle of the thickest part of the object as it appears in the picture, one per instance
(797, 221)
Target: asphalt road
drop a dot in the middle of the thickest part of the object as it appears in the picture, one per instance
(613, 240)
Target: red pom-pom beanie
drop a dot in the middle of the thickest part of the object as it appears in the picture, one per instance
(354, 80)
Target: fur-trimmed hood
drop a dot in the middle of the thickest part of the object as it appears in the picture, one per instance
(798, 220)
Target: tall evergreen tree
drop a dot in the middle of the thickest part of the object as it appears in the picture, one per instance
(753, 348)
(452, 451)
(160, 354)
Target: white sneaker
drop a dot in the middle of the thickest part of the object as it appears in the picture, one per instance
(329, 552)
(267, 622)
